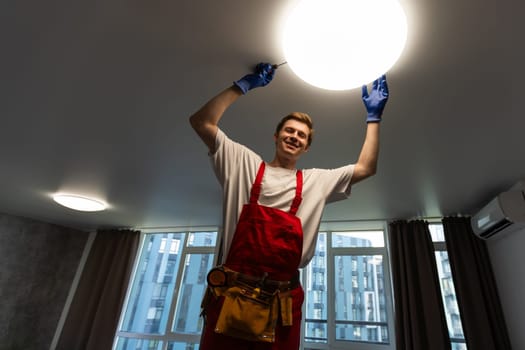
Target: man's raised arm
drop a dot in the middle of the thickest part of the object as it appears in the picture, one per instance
(375, 103)
(205, 121)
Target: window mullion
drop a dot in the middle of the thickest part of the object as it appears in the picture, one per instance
(358, 251)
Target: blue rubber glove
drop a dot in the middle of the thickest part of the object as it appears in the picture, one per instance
(376, 101)
(262, 76)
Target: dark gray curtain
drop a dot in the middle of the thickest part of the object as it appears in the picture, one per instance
(95, 310)
(419, 314)
(482, 317)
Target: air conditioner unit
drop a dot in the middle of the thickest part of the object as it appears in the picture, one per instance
(503, 214)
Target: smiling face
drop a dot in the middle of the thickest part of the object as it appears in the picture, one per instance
(292, 140)
(301, 117)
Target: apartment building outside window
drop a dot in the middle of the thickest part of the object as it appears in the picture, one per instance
(162, 310)
(346, 301)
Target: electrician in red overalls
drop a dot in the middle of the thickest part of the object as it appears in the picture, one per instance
(268, 242)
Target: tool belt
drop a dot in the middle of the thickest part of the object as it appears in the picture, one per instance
(251, 305)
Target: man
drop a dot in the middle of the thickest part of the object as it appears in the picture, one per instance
(271, 214)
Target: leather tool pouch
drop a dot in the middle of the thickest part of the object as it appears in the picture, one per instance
(248, 312)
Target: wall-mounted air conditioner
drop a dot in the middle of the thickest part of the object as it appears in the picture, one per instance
(503, 214)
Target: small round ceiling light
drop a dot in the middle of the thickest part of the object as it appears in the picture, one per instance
(343, 44)
(79, 202)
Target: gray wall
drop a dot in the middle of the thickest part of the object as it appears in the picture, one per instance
(507, 255)
(38, 262)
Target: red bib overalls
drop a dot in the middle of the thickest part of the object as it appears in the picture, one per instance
(266, 241)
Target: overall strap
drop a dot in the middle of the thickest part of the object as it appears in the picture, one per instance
(256, 189)
(298, 190)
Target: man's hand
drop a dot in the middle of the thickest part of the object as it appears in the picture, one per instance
(376, 101)
(262, 76)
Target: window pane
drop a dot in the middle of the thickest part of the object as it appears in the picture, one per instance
(459, 346)
(153, 287)
(436, 232)
(202, 239)
(360, 302)
(316, 294)
(137, 344)
(448, 293)
(182, 346)
(352, 239)
(193, 285)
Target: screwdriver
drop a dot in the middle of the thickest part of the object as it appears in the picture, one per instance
(275, 66)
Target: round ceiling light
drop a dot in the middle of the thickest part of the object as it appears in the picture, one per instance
(79, 202)
(343, 44)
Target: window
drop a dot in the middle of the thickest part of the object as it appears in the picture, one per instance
(448, 293)
(165, 295)
(349, 303)
(347, 292)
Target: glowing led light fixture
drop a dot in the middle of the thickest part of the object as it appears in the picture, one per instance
(343, 44)
(79, 203)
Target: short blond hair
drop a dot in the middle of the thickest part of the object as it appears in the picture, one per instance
(300, 117)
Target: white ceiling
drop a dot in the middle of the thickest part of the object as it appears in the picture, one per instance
(96, 97)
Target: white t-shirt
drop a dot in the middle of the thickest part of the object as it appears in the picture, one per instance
(236, 166)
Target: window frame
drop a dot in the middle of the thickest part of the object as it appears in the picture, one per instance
(169, 335)
(441, 246)
(331, 252)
